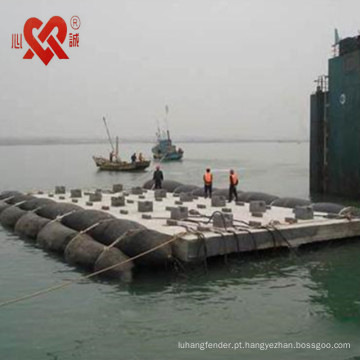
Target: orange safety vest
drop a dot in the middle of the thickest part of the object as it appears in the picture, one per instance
(234, 179)
(208, 178)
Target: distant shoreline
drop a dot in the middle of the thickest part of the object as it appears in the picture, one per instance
(69, 141)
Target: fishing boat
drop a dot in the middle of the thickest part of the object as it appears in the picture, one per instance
(164, 150)
(114, 163)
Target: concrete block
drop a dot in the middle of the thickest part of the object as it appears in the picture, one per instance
(176, 194)
(95, 197)
(186, 197)
(239, 203)
(160, 193)
(125, 193)
(258, 206)
(171, 222)
(193, 212)
(169, 208)
(145, 206)
(303, 212)
(226, 210)
(179, 213)
(117, 188)
(141, 196)
(61, 197)
(177, 202)
(146, 216)
(268, 207)
(137, 190)
(158, 199)
(218, 201)
(257, 214)
(75, 200)
(222, 220)
(117, 201)
(40, 192)
(89, 203)
(201, 206)
(60, 190)
(130, 201)
(105, 207)
(124, 212)
(51, 195)
(75, 193)
(184, 211)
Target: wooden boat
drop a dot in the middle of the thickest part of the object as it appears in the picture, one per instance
(164, 150)
(118, 165)
(114, 163)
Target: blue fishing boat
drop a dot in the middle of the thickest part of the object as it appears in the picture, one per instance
(164, 150)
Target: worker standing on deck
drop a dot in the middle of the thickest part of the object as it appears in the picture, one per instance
(158, 177)
(208, 179)
(233, 180)
(133, 158)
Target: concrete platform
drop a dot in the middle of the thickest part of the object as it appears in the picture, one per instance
(274, 228)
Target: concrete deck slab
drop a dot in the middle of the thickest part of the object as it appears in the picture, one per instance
(204, 240)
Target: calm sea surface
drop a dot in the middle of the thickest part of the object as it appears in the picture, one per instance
(310, 298)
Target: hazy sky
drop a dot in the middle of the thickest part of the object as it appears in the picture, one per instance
(225, 68)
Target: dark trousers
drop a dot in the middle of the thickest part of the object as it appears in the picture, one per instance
(157, 184)
(232, 192)
(208, 190)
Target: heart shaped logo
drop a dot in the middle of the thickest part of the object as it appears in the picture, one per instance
(45, 35)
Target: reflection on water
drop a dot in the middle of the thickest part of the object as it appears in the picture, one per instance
(335, 275)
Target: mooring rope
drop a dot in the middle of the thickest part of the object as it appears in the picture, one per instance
(82, 232)
(123, 236)
(7, 199)
(19, 203)
(116, 241)
(289, 245)
(71, 282)
(60, 217)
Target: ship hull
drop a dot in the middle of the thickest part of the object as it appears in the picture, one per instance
(107, 165)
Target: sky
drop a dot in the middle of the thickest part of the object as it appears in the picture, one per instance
(229, 69)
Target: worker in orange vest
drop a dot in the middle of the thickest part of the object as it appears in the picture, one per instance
(208, 179)
(233, 183)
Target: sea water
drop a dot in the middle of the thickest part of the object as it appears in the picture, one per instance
(310, 300)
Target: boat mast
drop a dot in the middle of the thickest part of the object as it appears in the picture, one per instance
(108, 134)
(166, 121)
(117, 146)
(158, 134)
